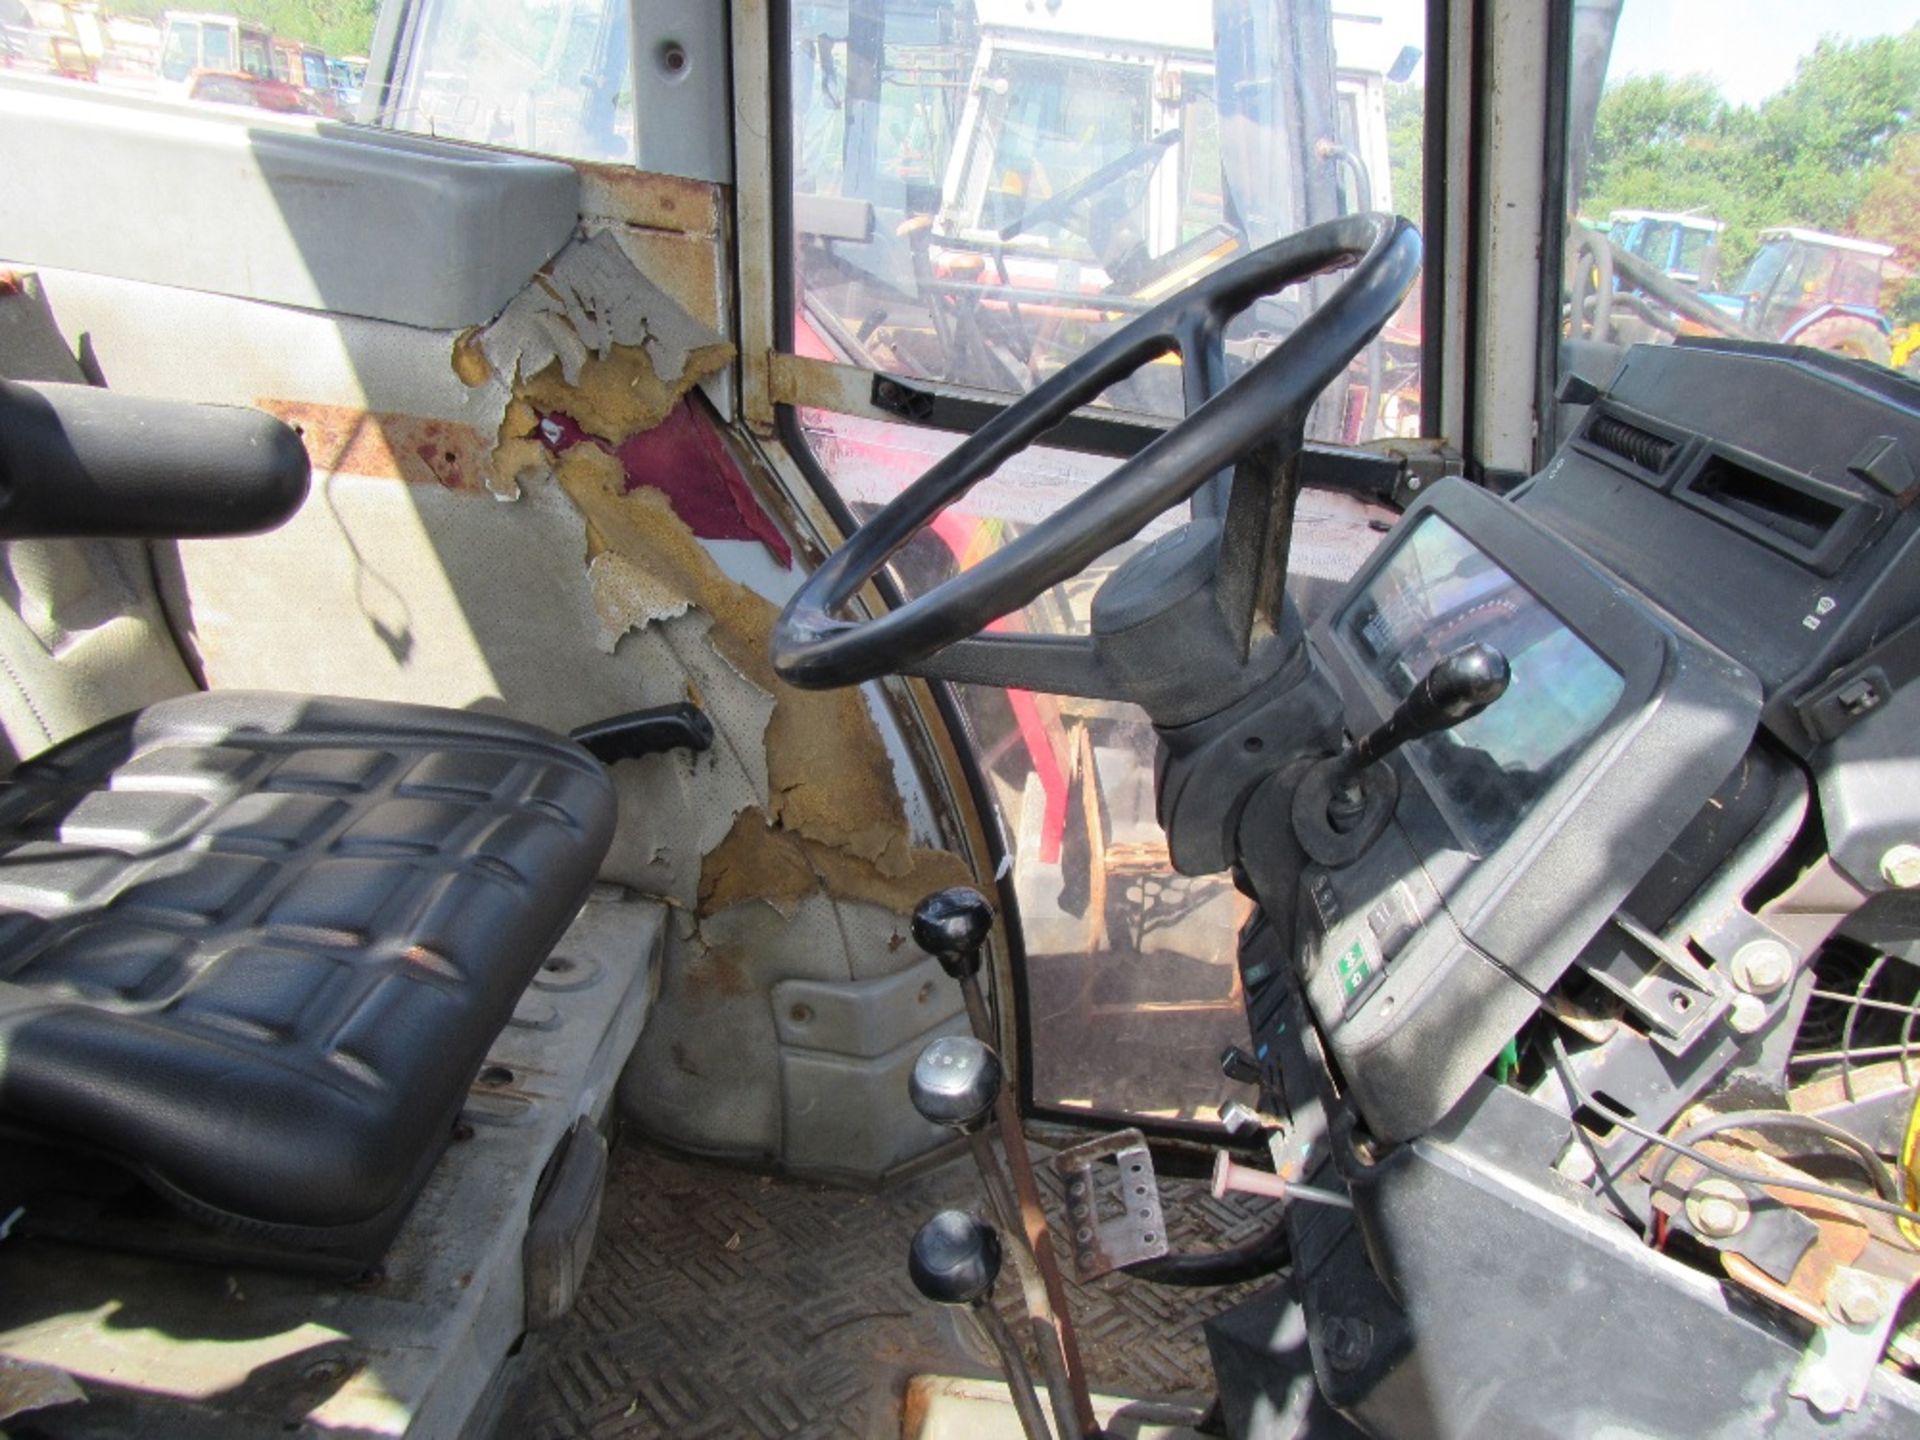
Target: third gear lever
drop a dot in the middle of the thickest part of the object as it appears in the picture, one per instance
(1345, 800)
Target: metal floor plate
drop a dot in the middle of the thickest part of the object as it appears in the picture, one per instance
(727, 1304)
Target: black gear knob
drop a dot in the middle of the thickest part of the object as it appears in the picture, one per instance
(1457, 688)
(955, 1082)
(951, 925)
(955, 1259)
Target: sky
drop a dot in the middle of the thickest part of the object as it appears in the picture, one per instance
(1749, 47)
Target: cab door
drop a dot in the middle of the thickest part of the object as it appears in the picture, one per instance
(905, 315)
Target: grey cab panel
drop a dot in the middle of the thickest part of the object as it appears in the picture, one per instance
(284, 209)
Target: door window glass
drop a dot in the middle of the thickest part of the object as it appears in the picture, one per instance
(180, 52)
(1785, 165)
(1132, 987)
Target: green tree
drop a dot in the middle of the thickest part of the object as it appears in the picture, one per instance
(1406, 147)
(1810, 155)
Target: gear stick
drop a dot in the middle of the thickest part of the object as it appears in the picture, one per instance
(955, 1083)
(1457, 688)
(954, 1260)
(1347, 799)
(951, 925)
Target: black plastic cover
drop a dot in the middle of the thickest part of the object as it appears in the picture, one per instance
(79, 462)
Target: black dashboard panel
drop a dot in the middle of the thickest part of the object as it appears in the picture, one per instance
(1517, 833)
(1764, 494)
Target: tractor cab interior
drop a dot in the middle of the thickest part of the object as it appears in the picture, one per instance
(942, 718)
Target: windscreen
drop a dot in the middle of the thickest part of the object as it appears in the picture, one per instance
(1438, 592)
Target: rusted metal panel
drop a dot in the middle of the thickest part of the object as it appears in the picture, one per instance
(655, 202)
(823, 385)
(753, 206)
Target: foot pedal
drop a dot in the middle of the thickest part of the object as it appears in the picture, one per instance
(1113, 1214)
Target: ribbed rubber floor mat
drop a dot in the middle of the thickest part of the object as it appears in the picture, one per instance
(726, 1304)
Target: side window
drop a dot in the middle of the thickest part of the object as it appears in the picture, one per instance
(216, 48)
(1786, 175)
(982, 192)
(552, 78)
(549, 76)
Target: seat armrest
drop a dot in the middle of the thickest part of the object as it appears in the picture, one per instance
(78, 462)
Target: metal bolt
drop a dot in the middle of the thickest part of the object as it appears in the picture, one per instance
(1900, 867)
(1717, 1208)
(1853, 1299)
(1826, 1392)
(1746, 1015)
(1761, 967)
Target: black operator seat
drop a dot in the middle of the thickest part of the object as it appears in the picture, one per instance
(253, 947)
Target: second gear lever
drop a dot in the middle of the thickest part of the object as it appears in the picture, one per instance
(951, 925)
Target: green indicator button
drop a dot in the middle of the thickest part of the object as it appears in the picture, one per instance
(1354, 969)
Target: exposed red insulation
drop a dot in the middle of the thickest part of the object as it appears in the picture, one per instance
(684, 459)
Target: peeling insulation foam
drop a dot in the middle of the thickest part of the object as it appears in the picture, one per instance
(830, 799)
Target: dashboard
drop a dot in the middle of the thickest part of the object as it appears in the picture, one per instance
(1619, 584)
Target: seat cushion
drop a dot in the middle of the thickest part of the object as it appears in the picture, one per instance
(254, 946)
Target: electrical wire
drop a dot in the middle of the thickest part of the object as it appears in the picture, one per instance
(1857, 1148)
(1582, 1100)
(1910, 1166)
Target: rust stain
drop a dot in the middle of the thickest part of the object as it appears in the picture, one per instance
(418, 449)
(656, 202)
(719, 970)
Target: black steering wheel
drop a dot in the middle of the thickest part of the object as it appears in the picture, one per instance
(938, 634)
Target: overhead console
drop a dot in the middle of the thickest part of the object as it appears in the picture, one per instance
(1718, 501)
